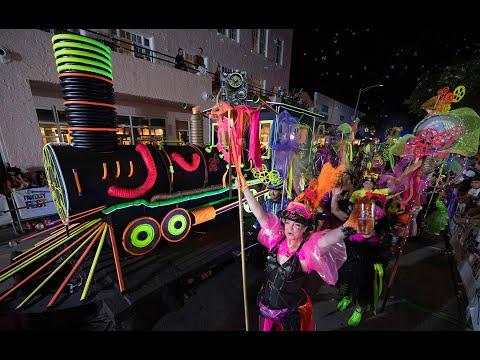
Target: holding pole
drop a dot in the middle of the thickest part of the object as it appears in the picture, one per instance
(242, 246)
(236, 160)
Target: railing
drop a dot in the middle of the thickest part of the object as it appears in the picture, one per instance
(169, 59)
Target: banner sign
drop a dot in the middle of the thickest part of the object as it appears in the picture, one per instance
(34, 203)
(5, 214)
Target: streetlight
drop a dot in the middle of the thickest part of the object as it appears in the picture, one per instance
(360, 92)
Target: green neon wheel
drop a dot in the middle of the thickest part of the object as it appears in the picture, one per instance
(55, 183)
(176, 225)
(141, 236)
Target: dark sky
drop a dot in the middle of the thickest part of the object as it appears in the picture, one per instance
(337, 62)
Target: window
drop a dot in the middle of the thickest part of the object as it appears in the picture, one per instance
(279, 51)
(342, 117)
(157, 130)
(134, 44)
(124, 135)
(256, 86)
(213, 135)
(230, 33)
(134, 130)
(265, 126)
(324, 108)
(259, 41)
(182, 131)
(49, 128)
(131, 129)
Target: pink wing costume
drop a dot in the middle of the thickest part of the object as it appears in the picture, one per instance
(326, 264)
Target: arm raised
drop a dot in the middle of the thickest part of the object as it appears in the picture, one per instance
(257, 210)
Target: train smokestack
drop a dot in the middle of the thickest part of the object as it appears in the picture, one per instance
(196, 127)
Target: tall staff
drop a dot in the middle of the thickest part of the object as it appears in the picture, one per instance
(234, 141)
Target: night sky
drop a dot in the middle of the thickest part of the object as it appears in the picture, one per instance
(337, 62)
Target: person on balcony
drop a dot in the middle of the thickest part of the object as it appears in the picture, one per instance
(199, 62)
(180, 61)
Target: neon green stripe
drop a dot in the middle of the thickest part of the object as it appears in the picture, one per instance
(82, 53)
(83, 61)
(84, 68)
(170, 201)
(80, 38)
(94, 264)
(62, 45)
(139, 229)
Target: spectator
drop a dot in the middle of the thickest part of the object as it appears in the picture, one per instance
(275, 204)
(180, 61)
(41, 178)
(463, 182)
(15, 180)
(199, 62)
(472, 197)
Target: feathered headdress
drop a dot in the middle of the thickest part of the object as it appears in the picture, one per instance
(302, 208)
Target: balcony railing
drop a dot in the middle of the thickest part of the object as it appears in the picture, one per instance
(148, 54)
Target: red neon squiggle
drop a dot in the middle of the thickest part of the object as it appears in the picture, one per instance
(121, 192)
(184, 164)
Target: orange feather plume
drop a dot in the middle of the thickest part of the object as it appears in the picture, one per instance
(316, 189)
(327, 179)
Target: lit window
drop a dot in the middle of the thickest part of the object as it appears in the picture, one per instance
(130, 43)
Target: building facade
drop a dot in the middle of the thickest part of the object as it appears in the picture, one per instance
(335, 111)
(153, 99)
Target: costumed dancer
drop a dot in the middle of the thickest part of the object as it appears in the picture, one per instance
(293, 253)
(356, 278)
(369, 182)
(340, 203)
